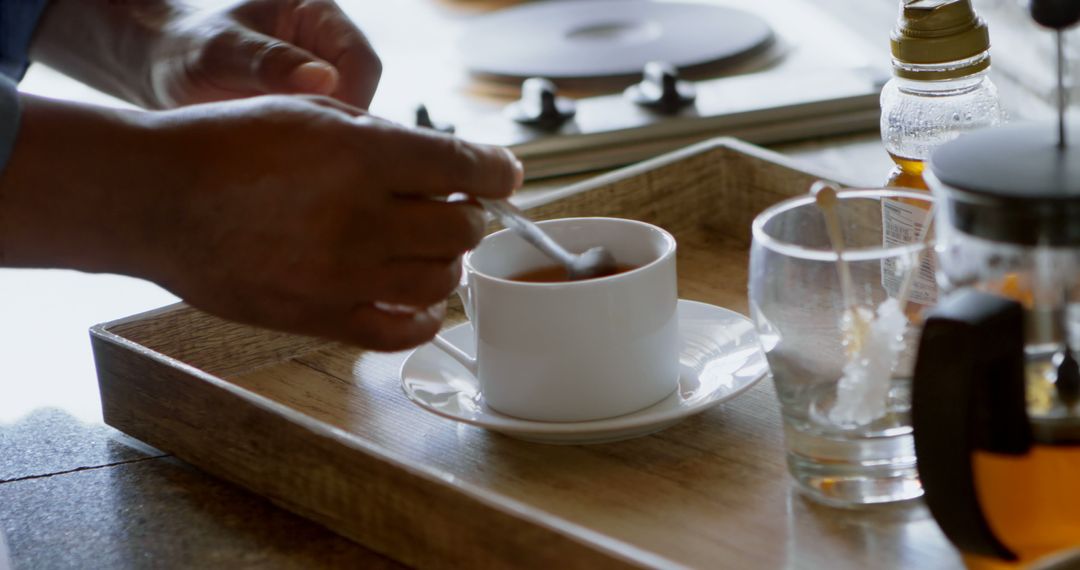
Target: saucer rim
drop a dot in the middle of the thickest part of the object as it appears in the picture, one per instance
(628, 421)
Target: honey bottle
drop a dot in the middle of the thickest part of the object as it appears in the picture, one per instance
(940, 88)
(939, 91)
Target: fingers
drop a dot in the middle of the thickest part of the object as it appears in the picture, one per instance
(324, 30)
(320, 28)
(393, 320)
(278, 67)
(245, 61)
(294, 71)
(444, 165)
(376, 328)
(432, 230)
(414, 283)
(347, 281)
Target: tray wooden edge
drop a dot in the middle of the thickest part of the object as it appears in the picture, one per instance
(531, 529)
(702, 147)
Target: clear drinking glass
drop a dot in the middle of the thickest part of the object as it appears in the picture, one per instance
(842, 368)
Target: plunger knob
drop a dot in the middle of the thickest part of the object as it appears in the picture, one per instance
(1055, 14)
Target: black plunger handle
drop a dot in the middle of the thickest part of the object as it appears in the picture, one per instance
(1058, 15)
(1055, 14)
(968, 394)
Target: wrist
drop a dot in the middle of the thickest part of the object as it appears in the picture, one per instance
(110, 46)
(78, 191)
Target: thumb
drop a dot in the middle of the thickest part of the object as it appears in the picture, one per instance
(253, 62)
(279, 67)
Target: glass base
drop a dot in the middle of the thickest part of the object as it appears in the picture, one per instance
(851, 472)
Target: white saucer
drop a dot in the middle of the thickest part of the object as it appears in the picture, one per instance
(719, 356)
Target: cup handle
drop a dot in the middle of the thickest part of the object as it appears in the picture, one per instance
(440, 342)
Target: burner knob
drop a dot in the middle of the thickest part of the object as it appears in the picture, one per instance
(423, 120)
(661, 90)
(540, 106)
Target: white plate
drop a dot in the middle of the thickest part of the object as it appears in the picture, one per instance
(719, 358)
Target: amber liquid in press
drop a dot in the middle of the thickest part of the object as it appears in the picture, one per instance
(1031, 501)
(558, 274)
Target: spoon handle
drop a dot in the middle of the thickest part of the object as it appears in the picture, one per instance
(516, 220)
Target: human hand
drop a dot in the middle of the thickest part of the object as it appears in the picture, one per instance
(264, 47)
(162, 54)
(295, 213)
(304, 218)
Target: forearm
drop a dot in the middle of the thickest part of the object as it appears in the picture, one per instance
(107, 44)
(77, 191)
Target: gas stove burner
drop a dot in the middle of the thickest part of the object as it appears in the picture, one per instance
(585, 43)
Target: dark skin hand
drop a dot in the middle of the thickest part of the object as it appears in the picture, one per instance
(269, 46)
(321, 256)
(295, 212)
(299, 214)
(162, 54)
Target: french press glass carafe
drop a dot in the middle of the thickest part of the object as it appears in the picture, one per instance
(996, 387)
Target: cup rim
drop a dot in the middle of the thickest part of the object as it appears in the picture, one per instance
(850, 254)
(669, 250)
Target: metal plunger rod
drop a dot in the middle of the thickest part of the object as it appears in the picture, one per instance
(1062, 94)
(1058, 15)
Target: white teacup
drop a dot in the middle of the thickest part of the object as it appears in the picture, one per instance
(580, 350)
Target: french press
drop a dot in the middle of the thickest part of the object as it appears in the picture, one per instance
(996, 389)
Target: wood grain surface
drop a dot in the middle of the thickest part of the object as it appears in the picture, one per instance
(325, 430)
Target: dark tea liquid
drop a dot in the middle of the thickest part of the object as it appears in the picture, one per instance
(558, 274)
(1031, 501)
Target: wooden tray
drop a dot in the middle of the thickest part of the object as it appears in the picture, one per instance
(324, 430)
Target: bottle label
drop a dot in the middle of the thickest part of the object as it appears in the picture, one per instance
(902, 224)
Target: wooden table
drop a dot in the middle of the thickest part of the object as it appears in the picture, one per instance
(75, 493)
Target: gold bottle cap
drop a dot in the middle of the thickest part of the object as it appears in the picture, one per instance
(937, 32)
